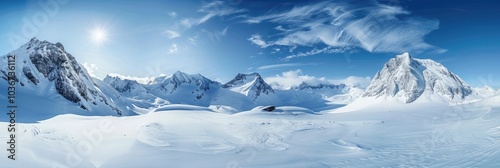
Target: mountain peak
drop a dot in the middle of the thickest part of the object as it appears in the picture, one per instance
(404, 59)
(34, 39)
(181, 76)
(48, 64)
(248, 75)
(179, 73)
(408, 78)
(251, 85)
(242, 78)
(405, 56)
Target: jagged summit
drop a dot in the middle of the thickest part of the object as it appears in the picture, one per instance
(407, 79)
(123, 84)
(404, 56)
(47, 67)
(251, 85)
(241, 79)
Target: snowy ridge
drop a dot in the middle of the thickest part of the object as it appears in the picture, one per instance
(171, 83)
(124, 85)
(244, 92)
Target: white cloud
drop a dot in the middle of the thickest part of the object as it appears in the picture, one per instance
(209, 10)
(280, 28)
(217, 8)
(294, 78)
(173, 49)
(171, 34)
(257, 40)
(275, 66)
(318, 51)
(172, 14)
(374, 28)
(361, 82)
(187, 23)
(91, 68)
(216, 35)
(142, 80)
(276, 50)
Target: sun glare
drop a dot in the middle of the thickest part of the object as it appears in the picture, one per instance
(98, 35)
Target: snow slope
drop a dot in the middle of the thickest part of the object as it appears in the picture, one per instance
(184, 136)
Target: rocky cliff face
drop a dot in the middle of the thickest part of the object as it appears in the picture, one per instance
(46, 65)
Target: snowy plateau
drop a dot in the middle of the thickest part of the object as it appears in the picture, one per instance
(414, 113)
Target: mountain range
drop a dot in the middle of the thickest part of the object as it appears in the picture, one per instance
(53, 79)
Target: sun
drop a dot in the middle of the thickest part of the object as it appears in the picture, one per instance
(98, 35)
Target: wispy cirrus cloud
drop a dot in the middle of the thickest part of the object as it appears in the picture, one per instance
(315, 51)
(172, 14)
(173, 49)
(217, 8)
(276, 66)
(257, 40)
(212, 9)
(186, 26)
(216, 35)
(171, 34)
(373, 27)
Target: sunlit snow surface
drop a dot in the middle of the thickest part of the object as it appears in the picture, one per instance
(189, 136)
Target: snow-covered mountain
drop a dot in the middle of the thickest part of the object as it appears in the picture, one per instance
(251, 85)
(184, 88)
(169, 84)
(134, 94)
(46, 70)
(485, 91)
(125, 85)
(408, 79)
(178, 88)
(244, 92)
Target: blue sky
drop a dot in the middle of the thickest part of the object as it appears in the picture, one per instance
(313, 40)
